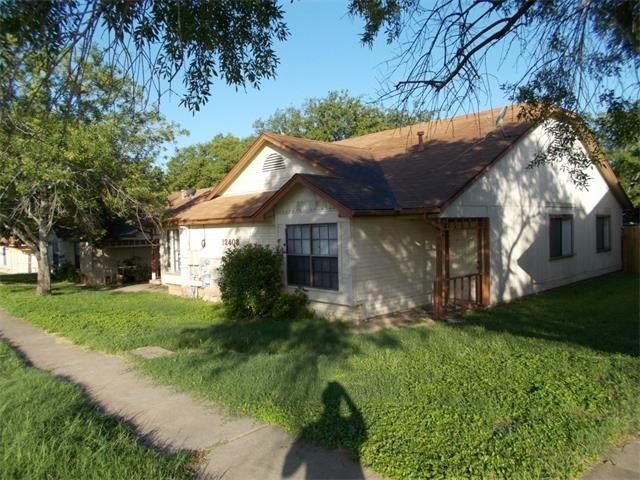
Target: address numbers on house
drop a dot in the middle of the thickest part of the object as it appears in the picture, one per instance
(231, 242)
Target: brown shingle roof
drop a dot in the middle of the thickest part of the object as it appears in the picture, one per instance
(232, 208)
(453, 153)
(384, 172)
(389, 170)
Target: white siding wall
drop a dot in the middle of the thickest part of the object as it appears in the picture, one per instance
(393, 263)
(198, 274)
(199, 264)
(253, 180)
(302, 206)
(14, 260)
(518, 202)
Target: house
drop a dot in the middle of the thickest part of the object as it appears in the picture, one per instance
(125, 255)
(443, 214)
(15, 257)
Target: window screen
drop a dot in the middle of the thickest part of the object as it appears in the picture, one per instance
(561, 236)
(312, 255)
(603, 233)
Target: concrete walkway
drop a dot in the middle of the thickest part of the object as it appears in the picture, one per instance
(623, 463)
(232, 447)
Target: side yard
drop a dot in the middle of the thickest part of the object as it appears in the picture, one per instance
(49, 430)
(535, 389)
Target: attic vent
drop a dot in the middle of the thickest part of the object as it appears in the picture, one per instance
(274, 161)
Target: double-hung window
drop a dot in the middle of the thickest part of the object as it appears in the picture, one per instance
(560, 236)
(312, 255)
(603, 233)
(172, 247)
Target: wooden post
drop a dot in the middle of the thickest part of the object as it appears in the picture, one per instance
(437, 285)
(486, 263)
(480, 269)
(446, 265)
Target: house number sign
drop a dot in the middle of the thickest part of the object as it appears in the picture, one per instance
(231, 242)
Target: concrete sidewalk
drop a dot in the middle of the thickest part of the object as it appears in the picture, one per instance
(623, 463)
(233, 447)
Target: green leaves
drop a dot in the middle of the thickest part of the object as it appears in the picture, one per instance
(336, 117)
(155, 41)
(204, 165)
(73, 164)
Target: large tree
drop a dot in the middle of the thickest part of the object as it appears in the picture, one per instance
(152, 41)
(581, 56)
(337, 116)
(205, 164)
(619, 134)
(67, 161)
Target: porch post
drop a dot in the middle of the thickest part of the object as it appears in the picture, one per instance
(437, 285)
(480, 268)
(486, 263)
(446, 265)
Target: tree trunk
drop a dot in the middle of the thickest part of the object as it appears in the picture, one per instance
(44, 276)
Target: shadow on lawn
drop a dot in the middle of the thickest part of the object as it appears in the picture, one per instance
(18, 278)
(601, 314)
(340, 431)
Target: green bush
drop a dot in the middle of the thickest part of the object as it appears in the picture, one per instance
(67, 272)
(251, 284)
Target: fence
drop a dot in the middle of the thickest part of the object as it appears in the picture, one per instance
(631, 248)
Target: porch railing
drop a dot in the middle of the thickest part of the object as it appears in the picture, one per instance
(462, 291)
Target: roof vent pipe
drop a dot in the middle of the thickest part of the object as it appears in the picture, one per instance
(420, 135)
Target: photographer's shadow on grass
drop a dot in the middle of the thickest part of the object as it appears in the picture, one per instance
(341, 427)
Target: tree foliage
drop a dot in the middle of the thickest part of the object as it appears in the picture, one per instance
(205, 164)
(619, 134)
(153, 42)
(67, 164)
(335, 117)
(580, 56)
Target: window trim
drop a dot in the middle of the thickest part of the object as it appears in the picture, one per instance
(562, 217)
(311, 256)
(607, 249)
(173, 261)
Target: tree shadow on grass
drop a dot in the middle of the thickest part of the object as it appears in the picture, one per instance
(18, 278)
(312, 335)
(601, 314)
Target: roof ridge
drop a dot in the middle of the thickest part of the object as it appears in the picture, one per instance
(320, 142)
(416, 125)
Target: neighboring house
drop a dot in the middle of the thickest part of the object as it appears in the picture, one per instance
(125, 255)
(443, 214)
(16, 258)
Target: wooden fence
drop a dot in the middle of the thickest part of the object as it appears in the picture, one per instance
(631, 248)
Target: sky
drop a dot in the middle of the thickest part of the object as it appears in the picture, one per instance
(323, 53)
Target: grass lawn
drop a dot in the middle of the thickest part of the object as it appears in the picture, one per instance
(534, 389)
(48, 430)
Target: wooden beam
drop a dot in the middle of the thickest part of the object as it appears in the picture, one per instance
(446, 266)
(486, 264)
(479, 240)
(437, 284)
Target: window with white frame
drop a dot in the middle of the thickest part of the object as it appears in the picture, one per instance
(172, 247)
(560, 236)
(603, 233)
(4, 256)
(312, 255)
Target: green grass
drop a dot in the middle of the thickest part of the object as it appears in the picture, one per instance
(49, 430)
(534, 389)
